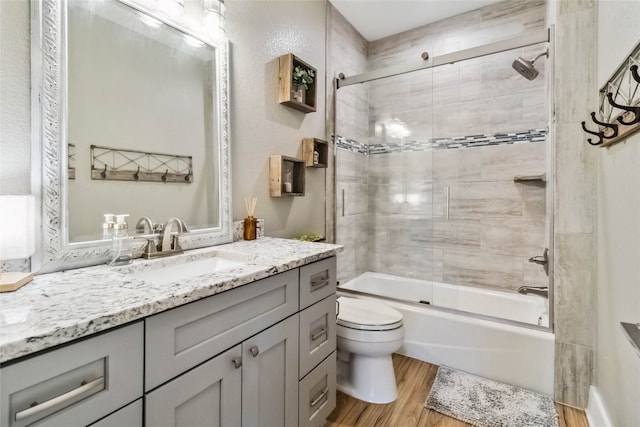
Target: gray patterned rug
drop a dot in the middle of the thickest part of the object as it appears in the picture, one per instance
(485, 403)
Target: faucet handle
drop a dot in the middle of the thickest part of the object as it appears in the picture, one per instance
(150, 247)
(175, 243)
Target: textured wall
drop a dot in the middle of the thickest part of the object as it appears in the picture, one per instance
(575, 200)
(617, 366)
(260, 31)
(15, 104)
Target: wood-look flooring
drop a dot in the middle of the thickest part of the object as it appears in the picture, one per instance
(414, 378)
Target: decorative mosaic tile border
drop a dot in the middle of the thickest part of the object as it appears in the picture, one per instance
(533, 135)
(350, 144)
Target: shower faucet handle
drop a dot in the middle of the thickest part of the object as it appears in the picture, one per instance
(542, 260)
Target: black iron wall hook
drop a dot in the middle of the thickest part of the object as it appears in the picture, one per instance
(634, 110)
(600, 135)
(612, 126)
(634, 73)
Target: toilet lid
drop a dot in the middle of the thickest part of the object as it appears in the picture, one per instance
(367, 315)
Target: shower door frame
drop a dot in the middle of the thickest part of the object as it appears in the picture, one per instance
(535, 37)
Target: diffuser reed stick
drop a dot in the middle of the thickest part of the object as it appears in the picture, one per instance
(250, 205)
(250, 221)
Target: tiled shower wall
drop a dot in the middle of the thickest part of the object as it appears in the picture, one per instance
(491, 226)
(395, 216)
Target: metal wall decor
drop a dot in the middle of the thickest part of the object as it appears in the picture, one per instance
(71, 161)
(129, 165)
(619, 114)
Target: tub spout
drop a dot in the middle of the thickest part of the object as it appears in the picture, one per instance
(542, 291)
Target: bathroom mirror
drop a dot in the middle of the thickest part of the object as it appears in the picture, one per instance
(132, 119)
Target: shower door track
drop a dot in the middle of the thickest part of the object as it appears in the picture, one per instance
(540, 36)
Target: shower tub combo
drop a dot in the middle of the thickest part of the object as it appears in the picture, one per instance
(493, 334)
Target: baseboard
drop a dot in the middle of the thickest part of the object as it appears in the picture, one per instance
(596, 411)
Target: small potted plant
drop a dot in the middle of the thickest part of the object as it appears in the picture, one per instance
(302, 78)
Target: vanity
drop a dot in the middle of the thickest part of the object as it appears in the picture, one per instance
(252, 343)
(227, 333)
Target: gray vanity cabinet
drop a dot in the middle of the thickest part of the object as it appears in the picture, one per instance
(129, 416)
(77, 384)
(270, 376)
(262, 354)
(208, 395)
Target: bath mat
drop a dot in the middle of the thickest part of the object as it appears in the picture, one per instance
(485, 403)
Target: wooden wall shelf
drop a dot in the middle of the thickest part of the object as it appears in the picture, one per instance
(286, 176)
(309, 145)
(287, 64)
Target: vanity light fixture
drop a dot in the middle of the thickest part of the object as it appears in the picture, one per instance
(17, 237)
(213, 17)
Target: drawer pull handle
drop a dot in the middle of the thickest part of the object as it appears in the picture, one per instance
(59, 399)
(321, 396)
(320, 283)
(318, 333)
(254, 351)
(237, 362)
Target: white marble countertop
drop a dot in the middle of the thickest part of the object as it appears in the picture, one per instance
(60, 307)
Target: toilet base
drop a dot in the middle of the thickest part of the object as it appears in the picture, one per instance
(370, 379)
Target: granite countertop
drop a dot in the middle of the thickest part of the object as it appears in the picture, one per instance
(60, 307)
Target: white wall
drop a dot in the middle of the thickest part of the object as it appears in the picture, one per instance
(15, 104)
(260, 31)
(617, 366)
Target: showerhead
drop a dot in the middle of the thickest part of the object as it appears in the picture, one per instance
(526, 68)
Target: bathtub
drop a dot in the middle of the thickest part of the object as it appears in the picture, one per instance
(438, 331)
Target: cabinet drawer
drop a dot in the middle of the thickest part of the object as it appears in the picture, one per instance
(179, 339)
(129, 416)
(317, 393)
(76, 384)
(317, 281)
(317, 333)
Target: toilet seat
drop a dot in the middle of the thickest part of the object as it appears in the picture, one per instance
(367, 315)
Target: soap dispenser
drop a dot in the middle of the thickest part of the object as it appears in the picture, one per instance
(107, 226)
(121, 253)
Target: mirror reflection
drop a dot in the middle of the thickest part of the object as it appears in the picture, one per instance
(141, 121)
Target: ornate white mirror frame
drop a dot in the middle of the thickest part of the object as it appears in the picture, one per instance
(49, 146)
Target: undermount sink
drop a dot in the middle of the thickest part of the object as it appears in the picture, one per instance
(184, 270)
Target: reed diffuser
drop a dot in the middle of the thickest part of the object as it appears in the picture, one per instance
(250, 221)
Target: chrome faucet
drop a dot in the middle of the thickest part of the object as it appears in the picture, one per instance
(542, 291)
(168, 242)
(145, 226)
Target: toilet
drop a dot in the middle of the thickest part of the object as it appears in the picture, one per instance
(368, 332)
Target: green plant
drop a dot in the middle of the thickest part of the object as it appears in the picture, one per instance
(310, 237)
(303, 76)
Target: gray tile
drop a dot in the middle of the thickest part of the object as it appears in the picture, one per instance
(485, 200)
(575, 181)
(573, 374)
(503, 162)
(479, 269)
(575, 281)
(512, 237)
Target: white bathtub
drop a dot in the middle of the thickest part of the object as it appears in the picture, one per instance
(510, 353)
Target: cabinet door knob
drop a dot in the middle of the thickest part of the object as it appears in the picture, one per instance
(254, 350)
(237, 362)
